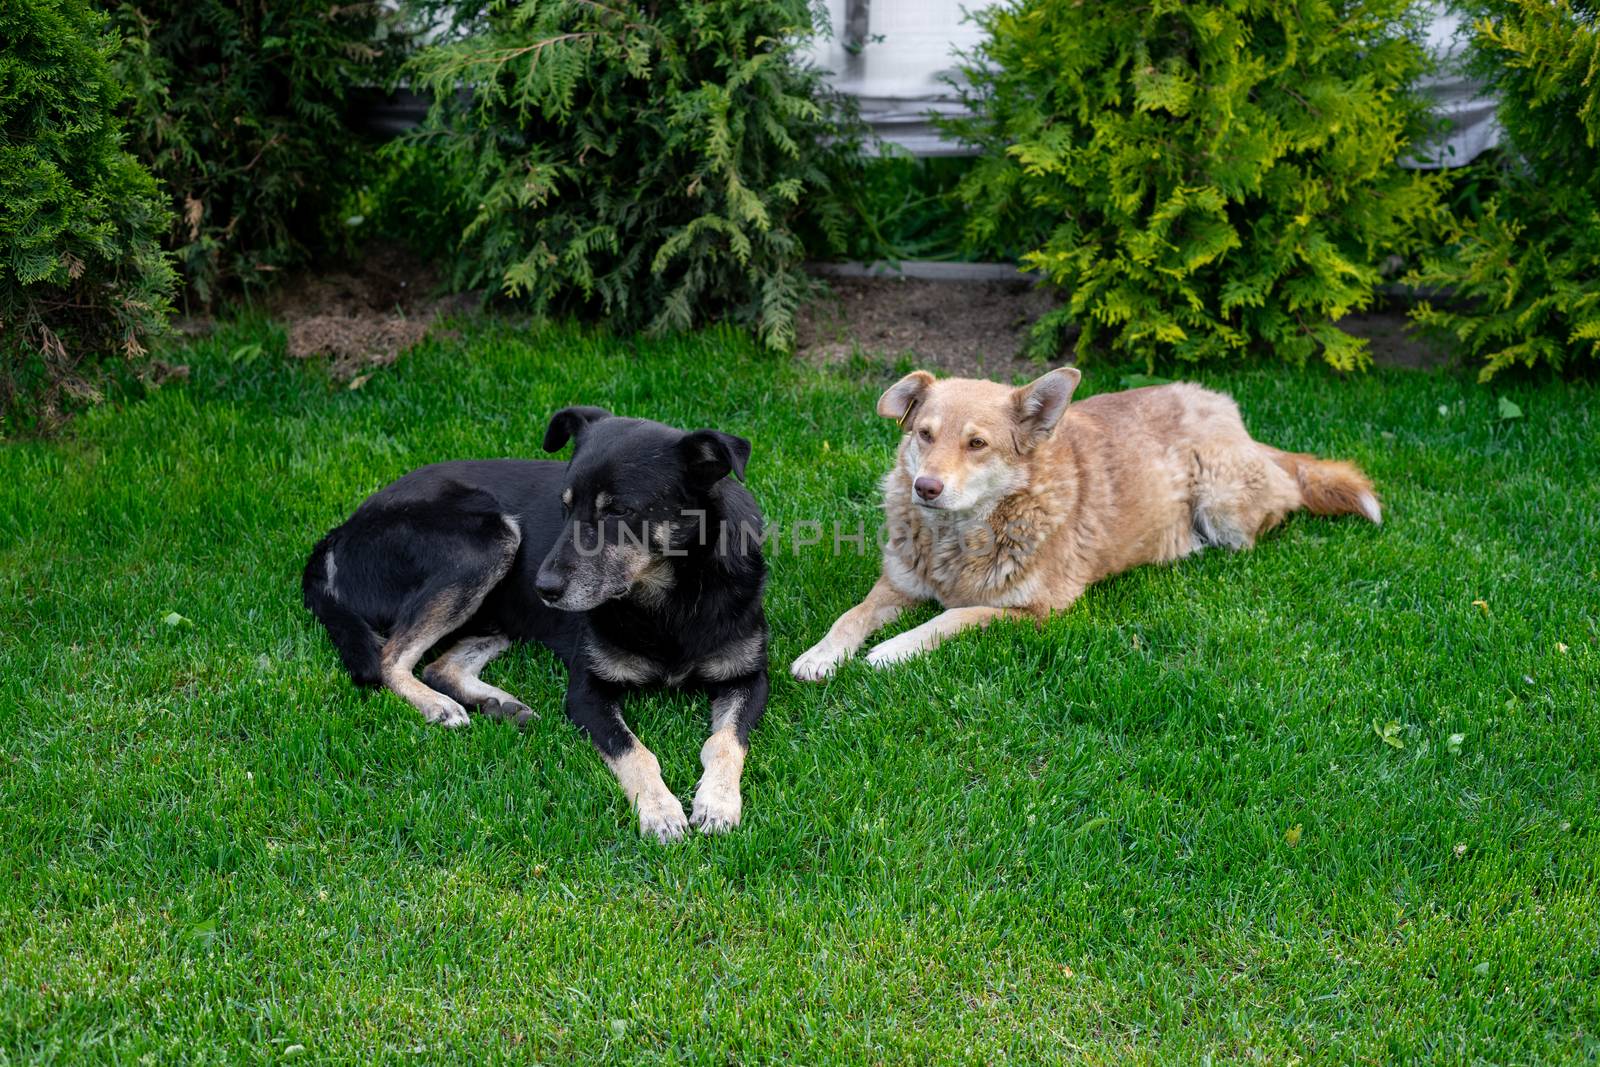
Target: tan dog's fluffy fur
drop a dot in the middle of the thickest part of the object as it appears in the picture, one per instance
(1031, 500)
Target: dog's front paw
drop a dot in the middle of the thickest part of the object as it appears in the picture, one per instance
(446, 712)
(717, 805)
(661, 816)
(819, 662)
(895, 650)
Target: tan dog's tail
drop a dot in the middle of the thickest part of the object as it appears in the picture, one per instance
(1329, 486)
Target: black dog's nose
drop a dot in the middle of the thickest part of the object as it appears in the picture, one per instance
(549, 586)
(928, 488)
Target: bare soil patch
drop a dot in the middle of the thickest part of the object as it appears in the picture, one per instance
(970, 328)
(1391, 340)
(364, 314)
(980, 328)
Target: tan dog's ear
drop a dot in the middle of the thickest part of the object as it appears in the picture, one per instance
(1039, 405)
(903, 396)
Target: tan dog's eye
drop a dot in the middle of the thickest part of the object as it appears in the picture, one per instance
(977, 443)
(925, 434)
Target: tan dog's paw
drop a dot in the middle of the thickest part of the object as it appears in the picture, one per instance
(819, 662)
(895, 650)
(717, 806)
(661, 816)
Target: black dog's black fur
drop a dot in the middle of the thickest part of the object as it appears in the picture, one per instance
(638, 562)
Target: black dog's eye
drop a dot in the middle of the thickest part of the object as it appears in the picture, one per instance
(619, 511)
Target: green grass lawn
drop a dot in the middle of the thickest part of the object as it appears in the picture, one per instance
(1165, 826)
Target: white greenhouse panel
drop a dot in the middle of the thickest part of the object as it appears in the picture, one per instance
(901, 76)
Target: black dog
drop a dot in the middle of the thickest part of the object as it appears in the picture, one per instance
(638, 562)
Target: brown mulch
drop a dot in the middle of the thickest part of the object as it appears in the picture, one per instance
(1392, 341)
(365, 314)
(979, 328)
(971, 328)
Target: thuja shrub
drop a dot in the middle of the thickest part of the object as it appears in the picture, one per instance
(639, 161)
(1525, 273)
(1201, 178)
(83, 281)
(241, 108)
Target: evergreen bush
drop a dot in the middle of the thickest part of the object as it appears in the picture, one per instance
(82, 278)
(646, 162)
(1525, 273)
(241, 109)
(1200, 177)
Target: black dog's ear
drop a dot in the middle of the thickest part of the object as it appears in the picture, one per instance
(711, 454)
(569, 423)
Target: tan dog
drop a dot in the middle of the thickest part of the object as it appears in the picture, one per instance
(1007, 503)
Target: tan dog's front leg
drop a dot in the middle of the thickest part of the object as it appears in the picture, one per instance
(932, 633)
(882, 606)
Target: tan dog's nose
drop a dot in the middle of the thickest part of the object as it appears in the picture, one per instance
(928, 488)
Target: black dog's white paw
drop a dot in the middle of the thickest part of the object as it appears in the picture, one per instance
(447, 713)
(717, 806)
(661, 817)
